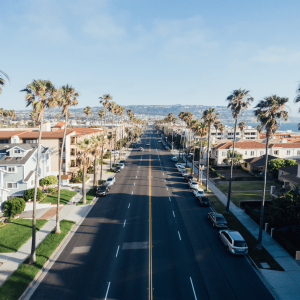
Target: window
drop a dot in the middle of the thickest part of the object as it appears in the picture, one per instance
(48, 168)
(288, 152)
(223, 153)
(298, 152)
(32, 182)
(276, 152)
(281, 173)
(252, 153)
(11, 185)
(17, 151)
(11, 169)
(47, 156)
(262, 152)
(245, 152)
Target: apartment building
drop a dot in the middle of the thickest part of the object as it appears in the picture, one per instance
(251, 149)
(287, 135)
(249, 133)
(52, 138)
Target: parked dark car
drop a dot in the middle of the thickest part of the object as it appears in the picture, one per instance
(102, 190)
(204, 201)
(122, 162)
(217, 219)
(188, 177)
(117, 169)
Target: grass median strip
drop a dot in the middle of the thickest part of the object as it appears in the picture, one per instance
(244, 186)
(17, 283)
(14, 235)
(65, 197)
(258, 256)
(89, 196)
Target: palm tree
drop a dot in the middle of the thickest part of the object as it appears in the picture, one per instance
(2, 81)
(40, 94)
(110, 137)
(210, 117)
(180, 116)
(84, 157)
(242, 127)
(97, 142)
(101, 115)
(174, 121)
(67, 97)
(200, 130)
(113, 108)
(238, 100)
(6, 114)
(12, 115)
(34, 116)
(104, 100)
(259, 129)
(221, 129)
(216, 125)
(87, 111)
(269, 112)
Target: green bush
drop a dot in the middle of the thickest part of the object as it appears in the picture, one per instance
(107, 155)
(49, 180)
(51, 190)
(1, 224)
(13, 207)
(279, 237)
(214, 173)
(28, 194)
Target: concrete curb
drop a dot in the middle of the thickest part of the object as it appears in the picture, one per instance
(63, 243)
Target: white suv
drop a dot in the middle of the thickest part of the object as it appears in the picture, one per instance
(233, 242)
(198, 192)
(193, 184)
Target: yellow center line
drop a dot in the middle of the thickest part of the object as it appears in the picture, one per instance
(150, 232)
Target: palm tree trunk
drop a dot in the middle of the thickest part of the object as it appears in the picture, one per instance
(59, 176)
(199, 161)
(192, 172)
(83, 185)
(33, 241)
(110, 153)
(262, 209)
(172, 137)
(101, 169)
(231, 168)
(95, 172)
(207, 160)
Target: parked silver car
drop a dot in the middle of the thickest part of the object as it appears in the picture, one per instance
(233, 241)
(110, 181)
(193, 184)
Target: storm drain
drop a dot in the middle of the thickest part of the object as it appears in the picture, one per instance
(264, 265)
(135, 245)
(83, 249)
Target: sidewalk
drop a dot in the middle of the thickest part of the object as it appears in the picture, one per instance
(285, 284)
(12, 261)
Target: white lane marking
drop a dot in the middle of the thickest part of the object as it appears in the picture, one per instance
(131, 192)
(117, 251)
(170, 198)
(167, 187)
(135, 176)
(163, 173)
(173, 213)
(107, 291)
(134, 184)
(125, 223)
(179, 235)
(193, 288)
(128, 205)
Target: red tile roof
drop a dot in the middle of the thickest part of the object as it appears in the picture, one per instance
(256, 145)
(59, 125)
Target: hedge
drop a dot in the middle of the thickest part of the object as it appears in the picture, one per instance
(49, 180)
(14, 207)
(29, 194)
(214, 173)
(244, 178)
(286, 244)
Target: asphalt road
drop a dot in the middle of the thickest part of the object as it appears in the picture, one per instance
(109, 255)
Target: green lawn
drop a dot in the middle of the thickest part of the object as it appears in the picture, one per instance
(110, 171)
(65, 197)
(208, 192)
(14, 287)
(101, 181)
(237, 197)
(89, 197)
(257, 256)
(244, 186)
(14, 235)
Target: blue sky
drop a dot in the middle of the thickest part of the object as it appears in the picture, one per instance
(152, 52)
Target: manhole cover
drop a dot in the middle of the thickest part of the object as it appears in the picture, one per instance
(265, 265)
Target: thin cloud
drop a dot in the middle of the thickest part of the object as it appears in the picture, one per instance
(277, 55)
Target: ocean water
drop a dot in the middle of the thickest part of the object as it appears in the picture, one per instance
(283, 126)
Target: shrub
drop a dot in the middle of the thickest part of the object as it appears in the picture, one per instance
(28, 194)
(280, 238)
(49, 180)
(13, 207)
(107, 155)
(214, 173)
(51, 190)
